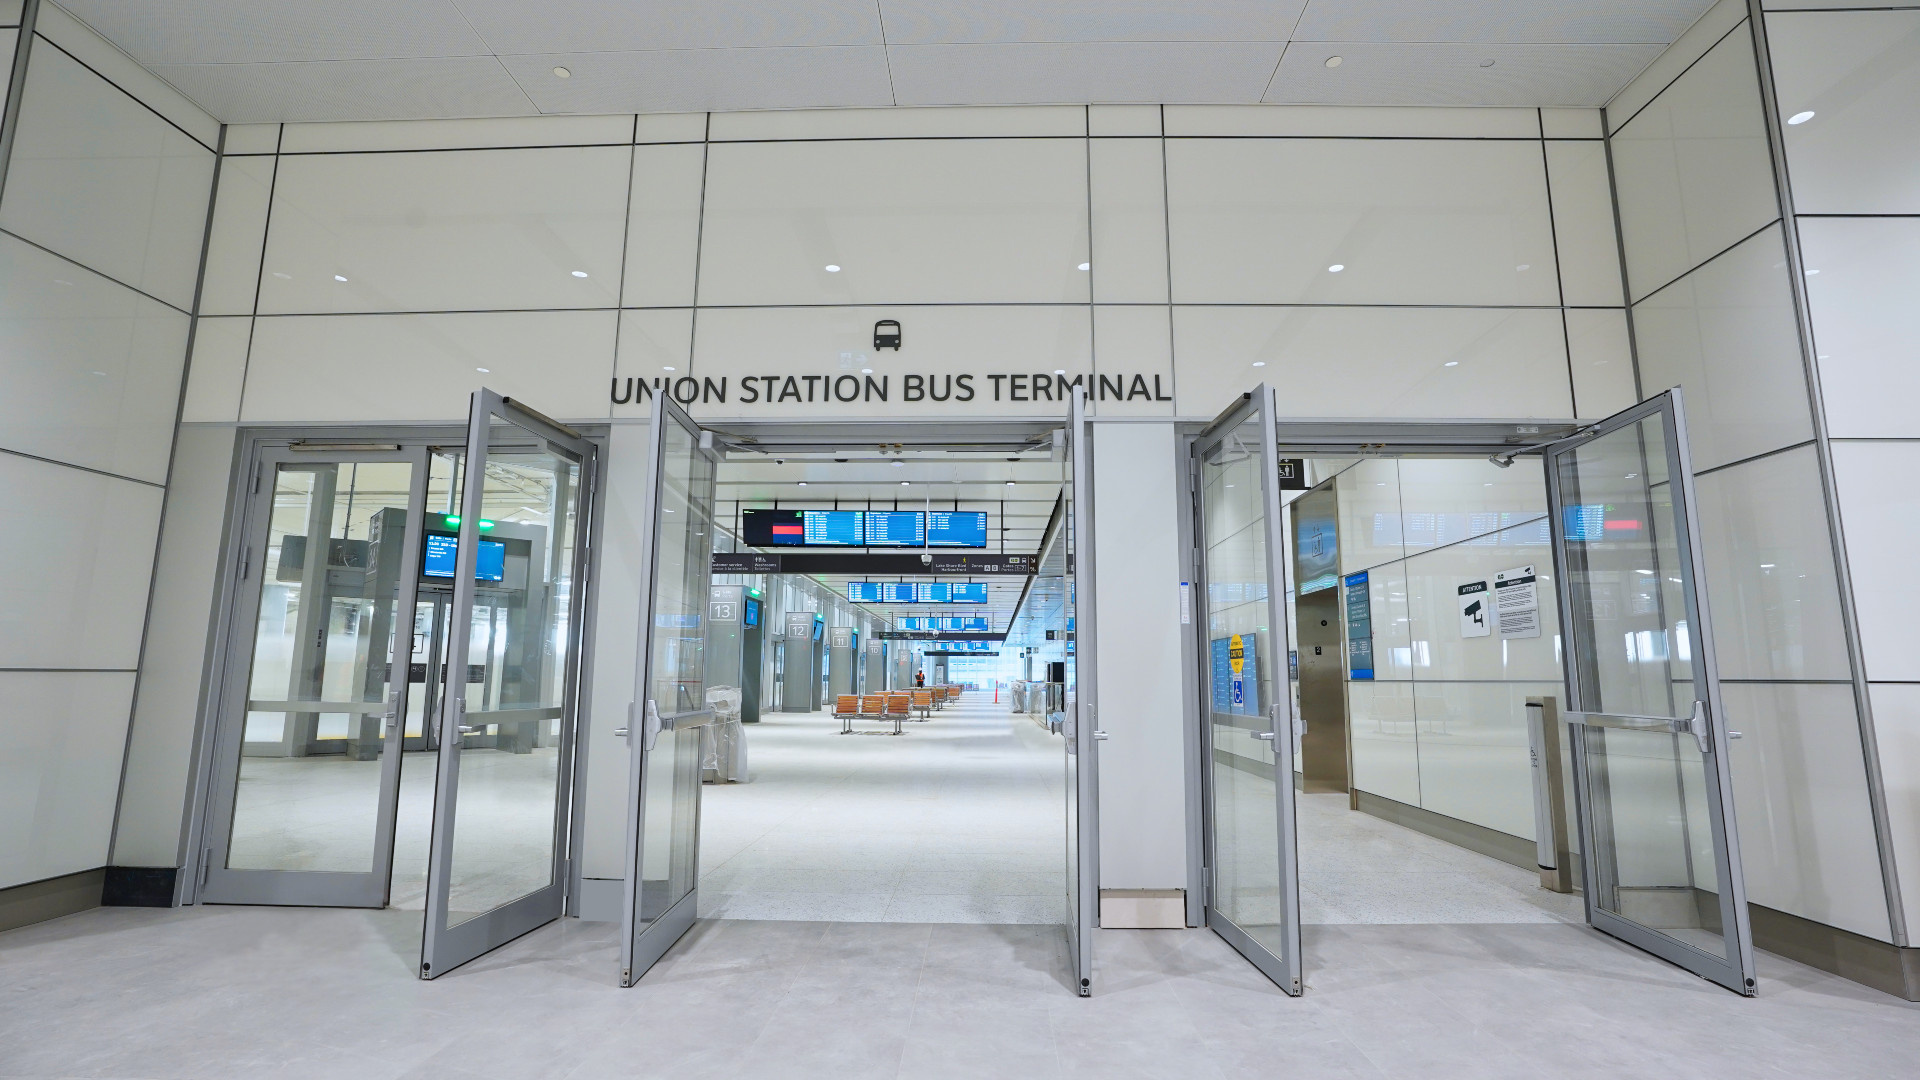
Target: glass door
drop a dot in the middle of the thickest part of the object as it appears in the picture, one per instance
(1081, 714)
(1253, 891)
(1659, 851)
(514, 556)
(670, 692)
(308, 755)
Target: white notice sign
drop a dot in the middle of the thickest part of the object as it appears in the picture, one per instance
(1516, 602)
(1186, 603)
(1475, 619)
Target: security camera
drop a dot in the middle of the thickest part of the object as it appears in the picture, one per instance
(926, 558)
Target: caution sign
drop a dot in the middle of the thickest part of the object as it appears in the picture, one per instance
(1237, 661)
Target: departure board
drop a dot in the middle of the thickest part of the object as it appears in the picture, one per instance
(897, 592)
(802, 528)
(863, 592)
(967, 592)
(832, 528)
(957, 528)
(895, 528)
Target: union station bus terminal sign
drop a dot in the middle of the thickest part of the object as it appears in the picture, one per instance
(907, 389)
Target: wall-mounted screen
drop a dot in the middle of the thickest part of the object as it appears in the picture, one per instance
(897, 592)
(895, 528)
(967, 592)
(802, 528)
(957, 528)
(933, 592)
(750, 612)
(863, 592)
(443, 551)
(818, 628)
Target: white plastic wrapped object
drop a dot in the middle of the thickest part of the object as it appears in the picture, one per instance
(723, 740)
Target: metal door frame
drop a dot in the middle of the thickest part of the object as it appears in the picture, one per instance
(1086, 736)
(443, 948)
(1735, 971)
(217, 884)
(642, 946)
(1285, 971)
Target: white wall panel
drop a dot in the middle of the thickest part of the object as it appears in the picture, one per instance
(239, 232)
(1383, 121)
(1693, 170)
(494, 133)
(1129, 341)
(1770, 570)
(1475, 764)
(64, 733)
(1129, 221)
(1409, 221)
(218, 371)
(1433, 581)
(1384, 362)
(167, 709)
(1369, 532)
(1380, 725)
(957, 349)
(1573, 123)
(1583, 223)
(936, 221)
(1896, 722)
(91, 368)
(54, 24)
(670, 127)
(1143, 802)
(1858, 73)
(79, 596)
(99, 178)
(426, 367)
(654, 344)
(1393, 657)
(1866, 321)
(1600, 355)
(1726, 335)
(1689, 47)
(962, 122)
(1123, 120)
(616, 643)
(447, 231)
(1800, 795)
(1446, 500)
(1879, 513)
(251, 139)
(663, 227)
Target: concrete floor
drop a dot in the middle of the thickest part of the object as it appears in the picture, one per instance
(293, 994)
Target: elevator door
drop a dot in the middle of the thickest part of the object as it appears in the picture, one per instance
(1252, 871)
(514, 562)
(1659, 852)
(669, 698)
(307, 756)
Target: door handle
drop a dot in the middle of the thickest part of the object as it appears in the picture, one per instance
(392, 716)
(650, 725)
(1263, 736)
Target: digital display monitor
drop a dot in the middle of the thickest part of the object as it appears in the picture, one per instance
(818, 628)
(967, 592)
(443, 552)
(750, 613)
(933, 592)
(915, 624)
(957, 528)
(802, 528)
(895, 528)
(897, 592)
(863, 592)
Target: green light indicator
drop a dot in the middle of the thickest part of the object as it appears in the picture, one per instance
(452, 520)
(485, 524)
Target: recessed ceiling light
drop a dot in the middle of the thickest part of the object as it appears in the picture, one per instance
(1259, 363)
(803, 483)
(1059, 371)
(1009, 483)
(283, 277)
(1453, 363)
(337, 277)
(1336, 268)
(579, 273)
(1486, 63)
(1333, 61)
(1800, 117)
(899, 464)
(833, 268)
(666, 369)
(484, 371)
(562, 73)
(866, 371)
(903, 483)
(1524, 266)
(1810, 273)
(1086, 266)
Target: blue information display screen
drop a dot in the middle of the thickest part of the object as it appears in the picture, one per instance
(957, 528)
(913, 624)
(897, 592)
(751, 614)
(443, 550)
(831, 528)
(967, 592)
(933, 592)
(895, 528)
(863, 592)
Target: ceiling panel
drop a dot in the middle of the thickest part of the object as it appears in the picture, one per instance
(1033, 73)
(1445, 73)
(261, 31)
(1547, 21)
(429, 88)
(706, 80)
(550, 26)
(943, 22)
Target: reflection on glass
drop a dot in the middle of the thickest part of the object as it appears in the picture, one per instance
(516, 674)
(1647, 790)
(1242, 652)
(676, 675)
(308, 796)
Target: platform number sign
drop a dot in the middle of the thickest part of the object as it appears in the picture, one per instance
(1237, 660)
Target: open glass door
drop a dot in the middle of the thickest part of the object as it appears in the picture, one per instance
(1253, 894)
(516, 555)
(669, 706)
(1081, 714)
(308, 762)
(1659, 851)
